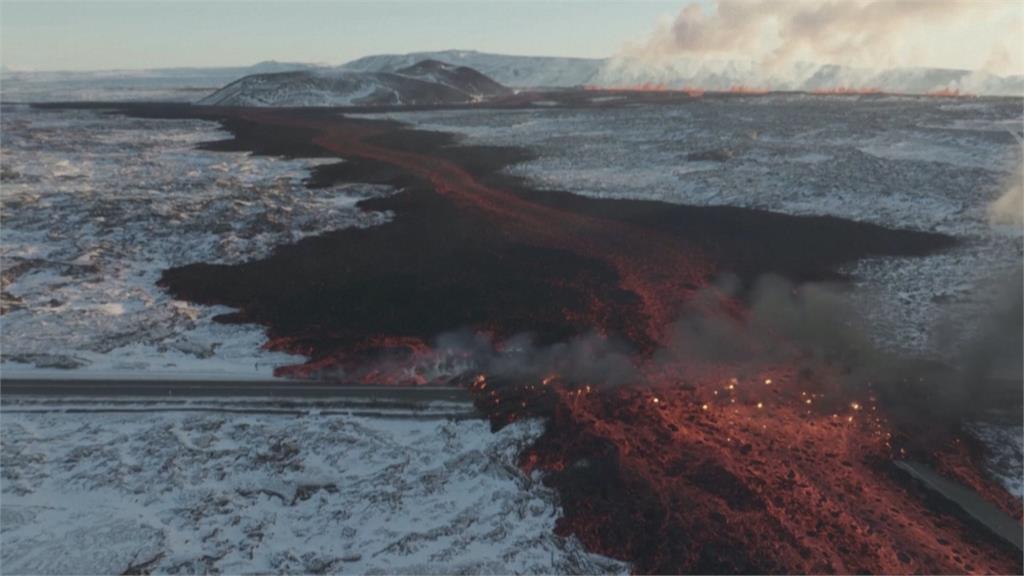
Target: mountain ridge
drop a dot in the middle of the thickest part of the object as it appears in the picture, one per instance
(425, 82)
(707, 74)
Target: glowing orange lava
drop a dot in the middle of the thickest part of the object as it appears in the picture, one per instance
(733, 475)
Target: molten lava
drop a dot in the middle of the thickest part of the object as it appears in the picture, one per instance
(753, 479)
(696, 467)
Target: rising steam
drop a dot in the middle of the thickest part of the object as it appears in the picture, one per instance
(965, 34)
(1008, 209)
(812, 326)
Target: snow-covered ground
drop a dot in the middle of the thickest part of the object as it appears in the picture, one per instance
(930, 164)
(96, 206)
(171, 490)
(1005, 442)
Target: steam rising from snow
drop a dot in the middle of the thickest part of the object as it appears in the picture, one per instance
(875, 33)
(1009, 208)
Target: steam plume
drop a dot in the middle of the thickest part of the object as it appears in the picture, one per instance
(1009, 208)
(868, 33)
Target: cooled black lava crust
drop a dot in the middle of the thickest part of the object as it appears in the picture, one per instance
(438, 266)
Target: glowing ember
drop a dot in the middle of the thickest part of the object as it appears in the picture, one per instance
(678, 490)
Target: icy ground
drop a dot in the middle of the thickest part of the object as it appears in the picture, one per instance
(95, 206)
(929, 164)
(172, 491)
(1005, 441)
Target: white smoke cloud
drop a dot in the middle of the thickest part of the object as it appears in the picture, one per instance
(1009, 208)
(967, 34)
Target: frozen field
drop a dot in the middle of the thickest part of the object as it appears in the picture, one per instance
(96, 206)
(171, 489)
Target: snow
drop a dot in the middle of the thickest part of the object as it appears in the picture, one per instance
(516, 71)
(313, 492)
(96, 206)
(425, 83)
(314, 89)
(1006, 446)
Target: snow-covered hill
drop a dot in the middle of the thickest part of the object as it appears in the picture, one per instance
(515, 71)
(538, 71)
(426, 82)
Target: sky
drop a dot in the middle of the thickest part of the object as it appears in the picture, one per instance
(85, 35)
(90, 35)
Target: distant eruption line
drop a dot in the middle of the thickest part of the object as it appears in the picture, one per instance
(896, 33)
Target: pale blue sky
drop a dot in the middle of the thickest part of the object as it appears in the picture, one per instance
(84, 35)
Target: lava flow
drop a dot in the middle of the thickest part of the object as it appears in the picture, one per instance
(693, 468)
(743, 476)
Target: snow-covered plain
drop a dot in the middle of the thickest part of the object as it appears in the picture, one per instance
(96, 206)
(931, 164)
(170, 490)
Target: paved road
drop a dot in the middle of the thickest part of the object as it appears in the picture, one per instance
(969, 501)
(227, 388)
